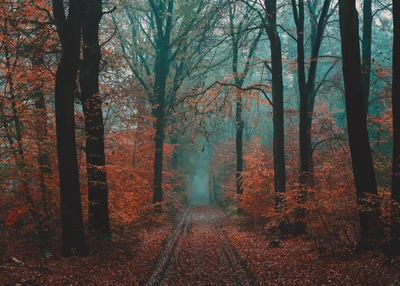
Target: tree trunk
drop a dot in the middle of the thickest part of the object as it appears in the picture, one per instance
(239, 102)
(366, 51)
(69, 31)
(395, 215)
(161, 70)
(277, 97)
(158, 159)
(159, 114)
(363, 169)
(307, 95)
(94, 126)
(304, 177)
(239, 81)
(239, 145)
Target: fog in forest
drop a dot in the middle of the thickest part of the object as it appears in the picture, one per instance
(168, 135)
(198, 188)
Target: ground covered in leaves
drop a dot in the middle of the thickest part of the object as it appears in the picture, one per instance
(127, 260)
(201, 247)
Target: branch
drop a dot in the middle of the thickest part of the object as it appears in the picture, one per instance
(325, 76)
(47, 12)
(254, 87)
(267, 66)
(327, 139)
(109, 39)
(381, 9)
(287, 32)
(110, 11)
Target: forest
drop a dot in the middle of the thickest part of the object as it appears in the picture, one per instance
(200, 142)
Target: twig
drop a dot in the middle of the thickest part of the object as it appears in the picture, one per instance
(110, 11)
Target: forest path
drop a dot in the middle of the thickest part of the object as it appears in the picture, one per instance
(198, 253)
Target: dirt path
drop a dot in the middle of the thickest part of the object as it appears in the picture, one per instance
(198, 253)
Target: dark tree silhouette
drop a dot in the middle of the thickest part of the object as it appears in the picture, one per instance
(307, 90)
(94, 126)
(277, 98)
(395, 217)
(366, 50)
(363, 169)
(69, 32)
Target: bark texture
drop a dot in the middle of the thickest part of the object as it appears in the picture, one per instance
(94, 126)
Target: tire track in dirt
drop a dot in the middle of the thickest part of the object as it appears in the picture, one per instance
(168, 250)
(198, 253)
(243, 274)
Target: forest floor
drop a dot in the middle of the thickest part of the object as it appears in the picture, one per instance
(202, 247)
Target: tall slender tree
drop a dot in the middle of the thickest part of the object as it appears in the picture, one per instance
(366, 50)
(277, 98)
(307, 83)
(363, 168)
(163, 19)
(237, 33)
(94, 126)
(307, 90)
(268, 17)
(395, 216)
(69, 33)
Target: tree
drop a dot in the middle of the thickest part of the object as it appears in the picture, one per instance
(237, 34)
(277, 98)
(366, 50)
(69, 33)
(307, 87)
(268, 19)
(94, 126)
(395, 214)
(363, 169)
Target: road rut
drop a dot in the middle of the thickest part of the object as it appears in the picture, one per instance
(198, 253)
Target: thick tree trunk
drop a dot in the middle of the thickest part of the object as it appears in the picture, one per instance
(277, 97)
(69, 30)
(395, 216)
(73, 237)
(363, 169)
(159, 115)
(94, 126)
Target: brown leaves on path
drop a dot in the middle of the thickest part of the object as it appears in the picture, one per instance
(202, 255)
